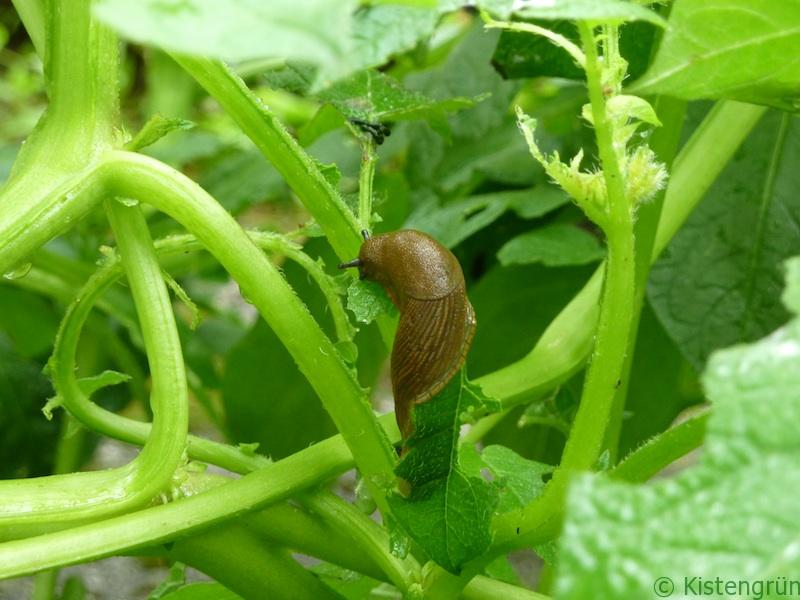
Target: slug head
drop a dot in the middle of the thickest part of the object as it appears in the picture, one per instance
(408, 264)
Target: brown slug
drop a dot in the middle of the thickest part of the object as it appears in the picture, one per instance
(437, 322)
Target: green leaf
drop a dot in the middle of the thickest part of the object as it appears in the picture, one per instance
(366, 300)
(752, 58)
(315, 31)
(607, 11)
(554, 245)
(156, 127)
(380, 32)
(520, 480)
(719, 280)
(29, 320)
(374, 97)
(456, 221)
(89, 385)
(240, 179)
(729, 517)
(449, 508)
(28, 441)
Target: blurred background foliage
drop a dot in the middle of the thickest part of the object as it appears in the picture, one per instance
(453, 165)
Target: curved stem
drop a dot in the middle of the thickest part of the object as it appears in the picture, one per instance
(169, 399)
(45, 503)
(135, 176)
(370, 536)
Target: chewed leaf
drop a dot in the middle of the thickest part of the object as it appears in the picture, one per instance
(87, 386)
(372, 96)
(449, 505)
(520, 480)
(367, 300)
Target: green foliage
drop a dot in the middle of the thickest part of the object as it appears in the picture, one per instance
(746, 227)
(703, 520)
(531, 154)
(750, 59)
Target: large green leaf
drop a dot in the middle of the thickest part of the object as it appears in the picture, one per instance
(449, 507)
(742, 49)
(316, 31)
(718, 281)
(734, 516)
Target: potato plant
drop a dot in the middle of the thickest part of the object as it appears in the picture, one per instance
(618, 182)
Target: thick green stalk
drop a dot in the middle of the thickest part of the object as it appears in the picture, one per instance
(664, 143)
(169, 401)
(371, 537)
(273, 483)
(249, 566)
(612, 341)
(299, 170)
(137, 176)
(36, 203)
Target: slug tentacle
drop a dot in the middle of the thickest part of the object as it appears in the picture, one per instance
(437, 322)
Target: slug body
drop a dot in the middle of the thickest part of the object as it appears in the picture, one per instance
(437, 322)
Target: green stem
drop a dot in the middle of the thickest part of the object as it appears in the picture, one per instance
(31, 13)
(370, 536)
(37, 202)
(248, 566)
(136, 176)
(661, 451)
(298, 169)
(169, 400)
(664, 143)
(365, 178)
(612, 341)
